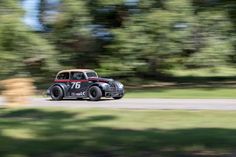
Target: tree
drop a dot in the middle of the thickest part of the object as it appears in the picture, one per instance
(71, 35)
(216, 46)
(22, 51)
(151, 40)
(147, 37)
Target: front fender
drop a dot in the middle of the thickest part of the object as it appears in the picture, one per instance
(102, 85)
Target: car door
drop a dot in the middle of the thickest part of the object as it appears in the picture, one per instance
(64, 78)
(79, 84)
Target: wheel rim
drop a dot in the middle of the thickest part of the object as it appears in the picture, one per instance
(56, 92)
(93, 92)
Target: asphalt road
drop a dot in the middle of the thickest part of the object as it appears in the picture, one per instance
(139, 103)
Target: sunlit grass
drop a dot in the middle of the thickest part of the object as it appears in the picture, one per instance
(95, 132)
(182, 93)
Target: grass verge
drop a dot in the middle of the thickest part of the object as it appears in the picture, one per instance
(168, 92)
(116, 133)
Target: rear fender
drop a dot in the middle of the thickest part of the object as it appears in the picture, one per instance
(64, 87)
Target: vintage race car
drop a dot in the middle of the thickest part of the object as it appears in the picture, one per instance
(84, 83)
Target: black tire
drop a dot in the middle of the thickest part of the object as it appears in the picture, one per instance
(94, 93)
(118, 97)
(56, 93)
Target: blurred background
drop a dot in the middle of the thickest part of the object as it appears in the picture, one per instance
(133, 40)
(157, 48)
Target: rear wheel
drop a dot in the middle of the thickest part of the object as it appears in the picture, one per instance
(57, 93)
(94, 93)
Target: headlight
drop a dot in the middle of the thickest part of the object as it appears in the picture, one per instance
(105, 86)
(120, 85)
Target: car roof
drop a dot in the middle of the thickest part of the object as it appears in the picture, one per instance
(77, 70)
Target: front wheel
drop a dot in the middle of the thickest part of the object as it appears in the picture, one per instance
(117, 97)
(94, 93)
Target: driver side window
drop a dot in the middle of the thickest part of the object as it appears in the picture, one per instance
(63, 76)
(77, 76)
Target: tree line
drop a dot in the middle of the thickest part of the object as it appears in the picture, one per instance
(139, 38)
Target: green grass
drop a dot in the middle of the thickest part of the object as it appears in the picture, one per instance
(214, 82)
(116, 133)
(182, 93)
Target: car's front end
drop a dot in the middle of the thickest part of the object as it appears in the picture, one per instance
(112, 88)
(117, 89)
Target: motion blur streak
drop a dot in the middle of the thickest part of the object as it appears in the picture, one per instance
(130, 40)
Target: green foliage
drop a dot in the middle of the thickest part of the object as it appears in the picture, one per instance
(216, 45)
(148, 38)
(72, 36)
(164, 34)
(22, 51)
(215, 53)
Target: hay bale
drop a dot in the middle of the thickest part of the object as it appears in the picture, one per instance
(17, 90)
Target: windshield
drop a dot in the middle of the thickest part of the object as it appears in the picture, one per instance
(91, 74)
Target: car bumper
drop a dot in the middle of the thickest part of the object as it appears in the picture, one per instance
(118, 93)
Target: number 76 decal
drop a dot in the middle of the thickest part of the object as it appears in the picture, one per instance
(75, 85)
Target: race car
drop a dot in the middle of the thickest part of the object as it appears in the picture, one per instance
(84, 83)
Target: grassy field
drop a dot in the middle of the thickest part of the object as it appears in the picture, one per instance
(116, 133)
(218, 92)
(217, 82)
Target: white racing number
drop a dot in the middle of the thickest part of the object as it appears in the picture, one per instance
(75, 85)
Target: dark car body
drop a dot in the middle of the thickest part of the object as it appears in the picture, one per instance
(78, 83)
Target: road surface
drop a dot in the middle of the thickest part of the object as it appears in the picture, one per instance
(138, 103)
